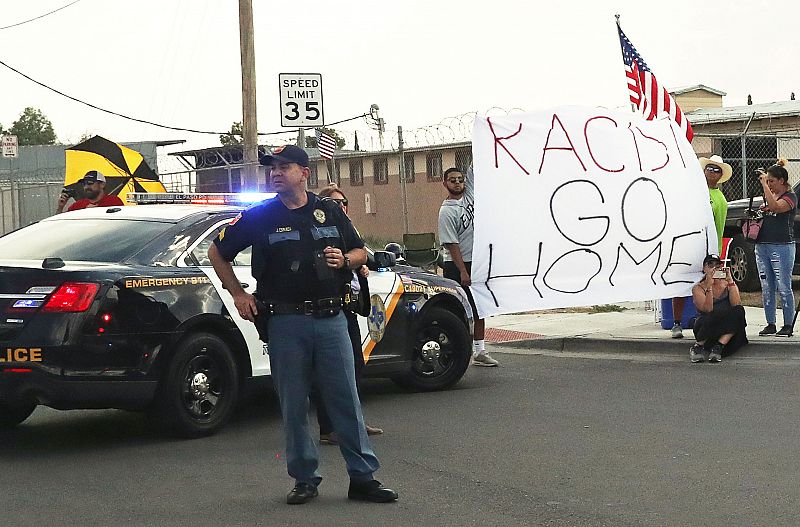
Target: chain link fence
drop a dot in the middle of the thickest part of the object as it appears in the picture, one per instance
(748, 152)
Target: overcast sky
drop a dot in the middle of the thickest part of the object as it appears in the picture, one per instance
(177, 61)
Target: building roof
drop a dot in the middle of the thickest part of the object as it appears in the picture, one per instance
(743, 113)
(687, 89)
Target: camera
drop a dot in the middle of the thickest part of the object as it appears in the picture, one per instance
(69, 192)
(720, 273)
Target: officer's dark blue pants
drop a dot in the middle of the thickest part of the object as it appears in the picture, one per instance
(304, 348)
(325, 425)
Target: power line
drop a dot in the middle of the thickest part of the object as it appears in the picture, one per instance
(40, 16)
(177, 128)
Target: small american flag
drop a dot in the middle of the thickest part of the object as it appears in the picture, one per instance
(644, 91)
(325, 143)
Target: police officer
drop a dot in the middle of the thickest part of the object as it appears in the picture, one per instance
(304, 251)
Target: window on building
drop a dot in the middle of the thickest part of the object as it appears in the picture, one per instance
(463, 159)
(380, 170)
(313, 178)
(408, 160)
(433, 164)
(356, 172)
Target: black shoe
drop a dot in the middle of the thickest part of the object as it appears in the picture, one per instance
(370, 491)
(715, 354)
(769, 330)
(785, 331)
(301, 493)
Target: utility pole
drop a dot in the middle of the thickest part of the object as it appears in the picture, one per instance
(249, 175)
(401, 152)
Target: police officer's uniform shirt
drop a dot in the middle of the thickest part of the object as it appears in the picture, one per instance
(286, 243)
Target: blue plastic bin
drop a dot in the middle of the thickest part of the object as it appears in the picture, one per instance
(668, 318)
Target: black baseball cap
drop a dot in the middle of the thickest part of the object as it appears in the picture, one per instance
(286, 154)
(93, 176)
(712, 259)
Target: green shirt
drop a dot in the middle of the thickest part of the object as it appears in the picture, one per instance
(719, 207)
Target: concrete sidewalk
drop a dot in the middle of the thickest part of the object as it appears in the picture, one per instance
(634, 329)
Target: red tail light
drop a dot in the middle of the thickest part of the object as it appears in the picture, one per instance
(72, 297)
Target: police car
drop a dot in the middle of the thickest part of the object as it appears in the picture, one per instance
(120, 308)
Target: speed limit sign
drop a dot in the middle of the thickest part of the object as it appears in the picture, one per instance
(301, 99)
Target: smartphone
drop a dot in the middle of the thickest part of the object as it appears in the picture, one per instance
(720, 273)
(321, 266)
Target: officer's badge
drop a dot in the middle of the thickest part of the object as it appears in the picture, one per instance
(319, 215)
(376, 321)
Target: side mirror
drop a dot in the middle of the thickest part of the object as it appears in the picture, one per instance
(384, 259)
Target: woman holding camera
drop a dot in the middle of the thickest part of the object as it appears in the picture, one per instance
(719, 329)
(775, 248)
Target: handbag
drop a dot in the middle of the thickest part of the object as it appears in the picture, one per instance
(751, 225)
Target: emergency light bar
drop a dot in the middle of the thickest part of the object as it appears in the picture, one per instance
(222, 198)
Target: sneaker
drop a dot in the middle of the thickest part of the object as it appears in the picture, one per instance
(677, 331)
(373, 430)
(696, 353)
(328, 439)
(484, 360)
(768, 330)
(715, 355)
(785, 331)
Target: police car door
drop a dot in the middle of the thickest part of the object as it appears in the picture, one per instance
(385, 289)
(259, 357)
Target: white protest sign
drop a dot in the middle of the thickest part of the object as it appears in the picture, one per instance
(580, 206)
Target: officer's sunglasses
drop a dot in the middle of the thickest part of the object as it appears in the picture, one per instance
(712, 168)
(341, 201)
(455, 179)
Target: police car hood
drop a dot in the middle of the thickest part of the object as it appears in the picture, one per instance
(432, 284)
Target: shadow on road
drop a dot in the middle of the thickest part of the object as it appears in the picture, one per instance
(53, 432)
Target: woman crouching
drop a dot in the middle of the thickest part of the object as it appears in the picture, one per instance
(719, 329)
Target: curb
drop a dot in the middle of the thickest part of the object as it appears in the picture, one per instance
(784, 347)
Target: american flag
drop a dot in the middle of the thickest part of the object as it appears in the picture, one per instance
(644, 91)
(325, 143)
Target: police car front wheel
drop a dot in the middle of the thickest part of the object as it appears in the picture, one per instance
(441, 353)
(13, 414)
(198, 392)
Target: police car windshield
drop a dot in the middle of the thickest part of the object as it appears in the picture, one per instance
(88, 240)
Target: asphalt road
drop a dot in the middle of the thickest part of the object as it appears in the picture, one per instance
(546, 439)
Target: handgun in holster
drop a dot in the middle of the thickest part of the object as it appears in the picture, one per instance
(262, 320)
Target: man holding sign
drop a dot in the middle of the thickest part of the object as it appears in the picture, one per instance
(455, 234)
(606, 207)
(716, 172)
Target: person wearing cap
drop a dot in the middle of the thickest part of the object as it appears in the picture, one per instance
(304, 251)
(716, 172)
(94, 191)
(719, 330)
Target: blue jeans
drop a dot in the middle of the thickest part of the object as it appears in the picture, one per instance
(775, 263)
(305, 350)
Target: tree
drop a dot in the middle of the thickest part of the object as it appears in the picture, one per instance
(311, 140)
(33, 128)
(234, 137)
